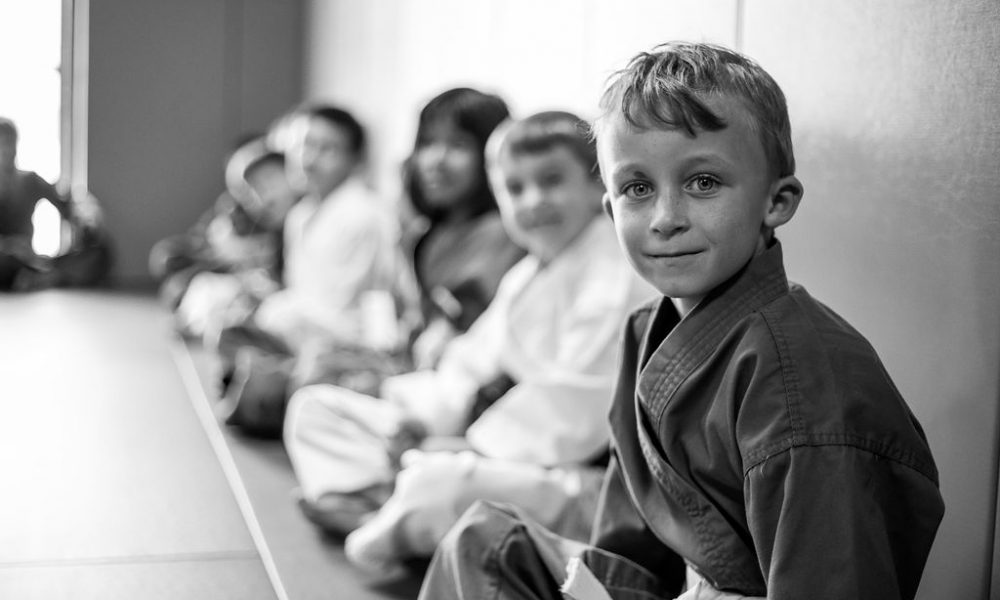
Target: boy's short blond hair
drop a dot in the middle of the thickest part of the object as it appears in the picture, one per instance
(667, 88)
(542, 132)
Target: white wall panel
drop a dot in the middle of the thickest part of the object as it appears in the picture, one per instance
(383, 59)
(897, 132)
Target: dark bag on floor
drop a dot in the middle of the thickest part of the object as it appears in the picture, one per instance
(256, 398)
(356, 368)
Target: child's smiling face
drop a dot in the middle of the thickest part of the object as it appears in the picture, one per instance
(325, 156)
(447, 165)
(690, 211)
(547, 198)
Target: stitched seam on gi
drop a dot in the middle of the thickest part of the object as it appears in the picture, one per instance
(678, 368)
(883, 449)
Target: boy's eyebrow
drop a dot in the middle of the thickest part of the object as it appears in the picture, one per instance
(636, 169)
(710, 158)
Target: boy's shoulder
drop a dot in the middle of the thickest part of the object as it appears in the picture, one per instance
(822, 383)
(792, 371)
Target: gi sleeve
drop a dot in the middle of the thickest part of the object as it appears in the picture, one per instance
(442, 398)
(44, 189)
(840, 522)
(557, 413)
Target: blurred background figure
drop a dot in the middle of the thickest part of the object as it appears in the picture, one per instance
(84, 261)
(221, 268)
(457, 244)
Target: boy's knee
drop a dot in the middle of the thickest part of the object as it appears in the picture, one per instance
(483, 526)
(305, 408)
(491, 539)
(304, 401)
(439, 483)
(464, 560)
(300, 405)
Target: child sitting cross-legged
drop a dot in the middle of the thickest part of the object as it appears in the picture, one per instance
(515, 410)
(239, 261)
(341, 276)
(759, 447)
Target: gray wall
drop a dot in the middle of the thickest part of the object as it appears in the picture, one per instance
(172, 85)
(897, 130)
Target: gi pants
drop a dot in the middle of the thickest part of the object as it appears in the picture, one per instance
(495, 552)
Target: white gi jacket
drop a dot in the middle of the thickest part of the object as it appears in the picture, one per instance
(555, 331)
(336, 250)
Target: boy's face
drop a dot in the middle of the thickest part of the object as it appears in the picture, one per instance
(8, 151)
(546, 198)
(272, 194)
(690, 211)
(447, 165)
(324, 156)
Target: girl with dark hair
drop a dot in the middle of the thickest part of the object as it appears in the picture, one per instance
(458, 244)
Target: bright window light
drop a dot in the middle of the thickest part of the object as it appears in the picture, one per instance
(30, 54)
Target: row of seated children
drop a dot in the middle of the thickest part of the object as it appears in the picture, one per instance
(395, 470)
(363, 292)
(355, 277)
(87, 258)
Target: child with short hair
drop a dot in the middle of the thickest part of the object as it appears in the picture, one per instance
(760, 448)
(454, 238)
(243, 246)
(237, 234)
(342, 271)
(552, 327)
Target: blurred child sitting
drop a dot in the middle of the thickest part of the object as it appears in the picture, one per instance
(230, 259)
(20, 191)
(341, 277)
(553, 328)
(457, 244)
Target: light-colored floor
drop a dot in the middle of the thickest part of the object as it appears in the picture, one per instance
(309, 565)
(117, 482)
(109, 486)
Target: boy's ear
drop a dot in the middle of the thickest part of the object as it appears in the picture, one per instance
(606, 203)
(785, 196)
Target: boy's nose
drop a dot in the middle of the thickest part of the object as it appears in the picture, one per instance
(435, 153)
(532, 197)
(669, 214)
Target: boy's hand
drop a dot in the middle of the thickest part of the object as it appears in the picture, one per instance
(409, 434)
(430, 344)
(258, 284)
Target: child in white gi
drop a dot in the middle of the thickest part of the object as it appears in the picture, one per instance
(552, 327)
(342, 271)
(239, 268)
(760, 448)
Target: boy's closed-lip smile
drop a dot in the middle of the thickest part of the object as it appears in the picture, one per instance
(672, 254)
(535, 219)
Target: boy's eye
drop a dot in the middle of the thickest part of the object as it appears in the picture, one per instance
(637, 189)
(551, 180)
(462, 144)
(703, 184)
